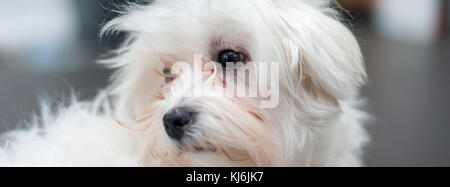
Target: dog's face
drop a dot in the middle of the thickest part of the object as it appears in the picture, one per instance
(317, 63)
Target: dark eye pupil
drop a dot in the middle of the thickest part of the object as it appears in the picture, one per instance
(229, 56)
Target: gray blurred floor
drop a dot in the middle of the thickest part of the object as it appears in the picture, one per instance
(408, 95)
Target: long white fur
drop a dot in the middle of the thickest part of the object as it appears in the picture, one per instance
(317, 122)
(84, 134)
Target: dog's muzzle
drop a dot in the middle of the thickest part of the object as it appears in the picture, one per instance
(178, 121)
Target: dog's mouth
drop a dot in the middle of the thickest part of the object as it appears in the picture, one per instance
(190, 144)
(209, 147)
(190, 141)
(233, 154)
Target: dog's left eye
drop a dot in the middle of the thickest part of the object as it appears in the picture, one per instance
(168, 72)
(230, 56)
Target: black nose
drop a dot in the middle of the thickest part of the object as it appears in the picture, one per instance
(177, 121)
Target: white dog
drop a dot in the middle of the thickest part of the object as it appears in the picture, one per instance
(162, 118)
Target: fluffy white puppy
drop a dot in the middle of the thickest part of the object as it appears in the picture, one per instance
(154, 115)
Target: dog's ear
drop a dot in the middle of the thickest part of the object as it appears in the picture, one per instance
(324, 51)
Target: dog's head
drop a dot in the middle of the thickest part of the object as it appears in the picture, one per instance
(312, 62)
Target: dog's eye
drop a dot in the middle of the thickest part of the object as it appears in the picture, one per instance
(169, 77)
(230, 56)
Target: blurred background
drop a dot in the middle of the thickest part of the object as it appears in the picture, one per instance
(48, 48)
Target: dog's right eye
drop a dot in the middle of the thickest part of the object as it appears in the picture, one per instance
(230, 56)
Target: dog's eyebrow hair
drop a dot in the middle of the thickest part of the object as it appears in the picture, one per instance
(168, 60)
